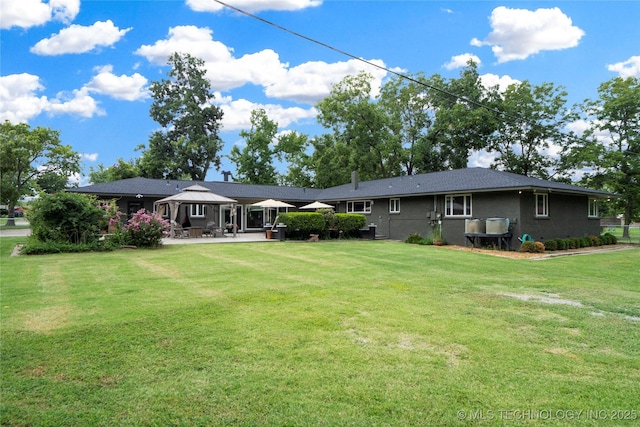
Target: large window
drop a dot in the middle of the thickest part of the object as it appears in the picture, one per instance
(542, 205)
(593, 208)
(359, 206)
(457, 205)
(198, 211)
(394, 205)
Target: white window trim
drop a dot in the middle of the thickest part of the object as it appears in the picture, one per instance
(595, 213)
(448, 202)
(197, 211)
(545, 198)
(367, 206)
(394, 205)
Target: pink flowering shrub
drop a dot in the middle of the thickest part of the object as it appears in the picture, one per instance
(146, 229)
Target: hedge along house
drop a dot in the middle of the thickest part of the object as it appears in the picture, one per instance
(446, 201)
(441, 202)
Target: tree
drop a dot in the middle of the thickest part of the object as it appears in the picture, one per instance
(254, 162)
(32, 160)
(532, 120)
(361, 127)
(407, 104)
(462, 123)
(331, 160)
(611, 145)
(189, 143)
(120, 170)
(291, 149)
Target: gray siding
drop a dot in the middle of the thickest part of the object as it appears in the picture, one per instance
(568, 217)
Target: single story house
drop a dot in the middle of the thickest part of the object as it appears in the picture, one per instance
(456, 203)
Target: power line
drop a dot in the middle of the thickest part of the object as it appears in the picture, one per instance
(403, 76)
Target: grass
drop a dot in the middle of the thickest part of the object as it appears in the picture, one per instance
(334, 333)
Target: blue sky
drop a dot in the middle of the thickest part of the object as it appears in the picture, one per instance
(84, 67)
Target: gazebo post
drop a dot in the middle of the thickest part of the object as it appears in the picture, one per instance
(235, 219)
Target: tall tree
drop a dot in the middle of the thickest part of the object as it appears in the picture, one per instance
(533, 119)
(32, 160)
(331, 160)
(407, 104)
(611, 145)
(120, 170)
(291, 149)
(254, 162)
(463, 123)
(360, 125)
(189, 143)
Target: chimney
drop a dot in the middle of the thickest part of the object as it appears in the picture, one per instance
(226, 174)
(354, 180)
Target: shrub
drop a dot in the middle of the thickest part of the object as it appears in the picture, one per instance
(349, 224)
(608, 239)
(66, 218)
(532, 247)
(551, 245)
(562, 244)
(415, 239)
(146, 229)
(301, 224)
(595, 241)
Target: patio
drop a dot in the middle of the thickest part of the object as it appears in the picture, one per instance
(239, 238)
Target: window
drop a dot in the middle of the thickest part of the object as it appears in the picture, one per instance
(542, 205)
(361, 206)
(593, 208)
(459, 205)
(394, 205)
(198, 211)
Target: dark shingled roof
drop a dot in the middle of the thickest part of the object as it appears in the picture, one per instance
(163, 188)
(470, 180)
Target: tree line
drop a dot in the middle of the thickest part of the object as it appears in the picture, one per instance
(415, 124)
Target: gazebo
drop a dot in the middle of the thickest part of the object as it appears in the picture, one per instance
(195, 195)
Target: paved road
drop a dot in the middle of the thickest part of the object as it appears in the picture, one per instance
(16, 232)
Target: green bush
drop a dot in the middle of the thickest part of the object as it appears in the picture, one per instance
(350, 224)
(34, 246)
(301, 224)
(551, 245)
(608, 239)
(66, 218)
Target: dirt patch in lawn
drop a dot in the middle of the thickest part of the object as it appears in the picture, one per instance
(545, 255)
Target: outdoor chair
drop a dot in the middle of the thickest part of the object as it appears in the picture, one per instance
(178, 231)
(212, 230)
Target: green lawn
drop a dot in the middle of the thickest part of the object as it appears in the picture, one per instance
(333, 333)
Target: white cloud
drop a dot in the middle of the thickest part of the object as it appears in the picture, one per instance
(18, 99)
(308, 82)
(77, 102)
(19, 102)
(520, 33)
(460, 61)
(491, 80)
(80, 39)
(127, 88)
(30, 13)
(253, 5)
(628, 68)
(91, 157)
(237, 114)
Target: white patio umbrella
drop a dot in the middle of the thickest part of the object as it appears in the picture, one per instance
(316, 205)
(270, 203)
